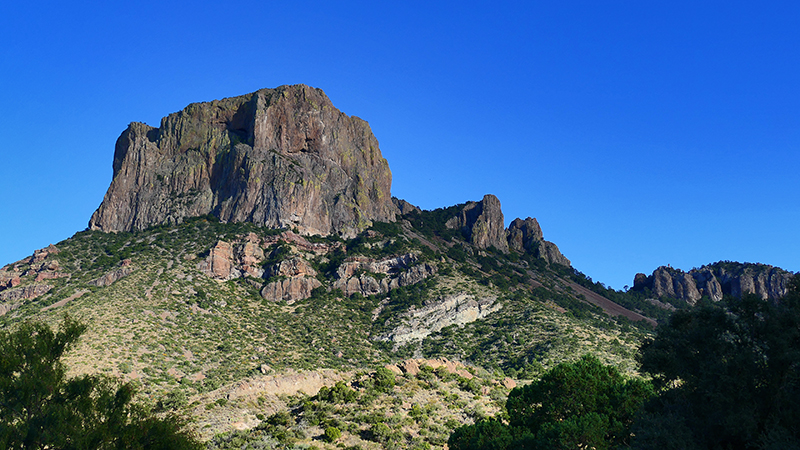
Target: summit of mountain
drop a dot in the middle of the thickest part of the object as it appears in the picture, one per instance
(280, 158)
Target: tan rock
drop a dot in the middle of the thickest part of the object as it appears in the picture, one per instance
(508, 383)
(290, 289)
(220, 264)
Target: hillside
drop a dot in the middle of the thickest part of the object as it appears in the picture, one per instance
(162, 310)
(249, 269)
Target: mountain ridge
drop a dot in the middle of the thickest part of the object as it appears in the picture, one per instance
(202, 283)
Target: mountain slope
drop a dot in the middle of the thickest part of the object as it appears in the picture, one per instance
(248, 253)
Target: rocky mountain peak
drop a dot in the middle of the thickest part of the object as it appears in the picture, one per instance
(482, 223)
(283, 158)
(526, 236)
(716, 280)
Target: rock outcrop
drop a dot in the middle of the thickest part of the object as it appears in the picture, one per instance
(526, 236)
(716, 280)
(412, 366)
(28, 292)
(125, 268)
(226, 261)
(282, 158)
(404, 207)
(368, 276)
(21, 280)
(291, 280)
(482, 224)
(457, 309)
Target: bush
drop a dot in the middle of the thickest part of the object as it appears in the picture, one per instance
(729, 376)
(339, 393)
(384, 379)
(332, 434)
(574, 405)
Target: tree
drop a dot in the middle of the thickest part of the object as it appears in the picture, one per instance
(728, 376)
(584, 404)
(579, 405)
(42, 408)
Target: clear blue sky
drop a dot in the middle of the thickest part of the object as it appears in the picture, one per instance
(638, 133)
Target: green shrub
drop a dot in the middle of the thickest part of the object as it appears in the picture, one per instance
(332, 434)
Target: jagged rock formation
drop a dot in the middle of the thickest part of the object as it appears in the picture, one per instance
(283, 158)
(368, 276)
(289, 279)
(404, 207)
(21, 280)
(125, 268)
(716, 280)
(293, 279)
(28, 292)
(526, 236)
(482, 223)
(449, 310)
(226, 261)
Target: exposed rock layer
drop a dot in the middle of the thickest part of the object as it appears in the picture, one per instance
(457, 309)
(115, 275)
(281, 157)
(368, 276)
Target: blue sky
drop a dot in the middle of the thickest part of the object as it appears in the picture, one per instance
(639, 134)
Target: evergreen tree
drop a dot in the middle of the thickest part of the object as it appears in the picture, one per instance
(41, 408)
(728, 376)
(584, 404)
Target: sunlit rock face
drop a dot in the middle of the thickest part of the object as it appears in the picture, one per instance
(282, 158)
(716, 280)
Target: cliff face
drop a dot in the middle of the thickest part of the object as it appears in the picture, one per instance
(526, 236)
(482, 223)
(716, 280)
(281, 157)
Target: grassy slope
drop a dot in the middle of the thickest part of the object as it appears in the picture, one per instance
(187, 338)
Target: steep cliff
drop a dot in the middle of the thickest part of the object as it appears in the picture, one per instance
(526, 236)
(482, 223)
(716, 280)
(281, 157)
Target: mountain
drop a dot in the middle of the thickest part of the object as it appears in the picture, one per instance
(715, 281)
(249, 269)
(280, 157)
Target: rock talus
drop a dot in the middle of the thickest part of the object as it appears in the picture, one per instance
(283, 157)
